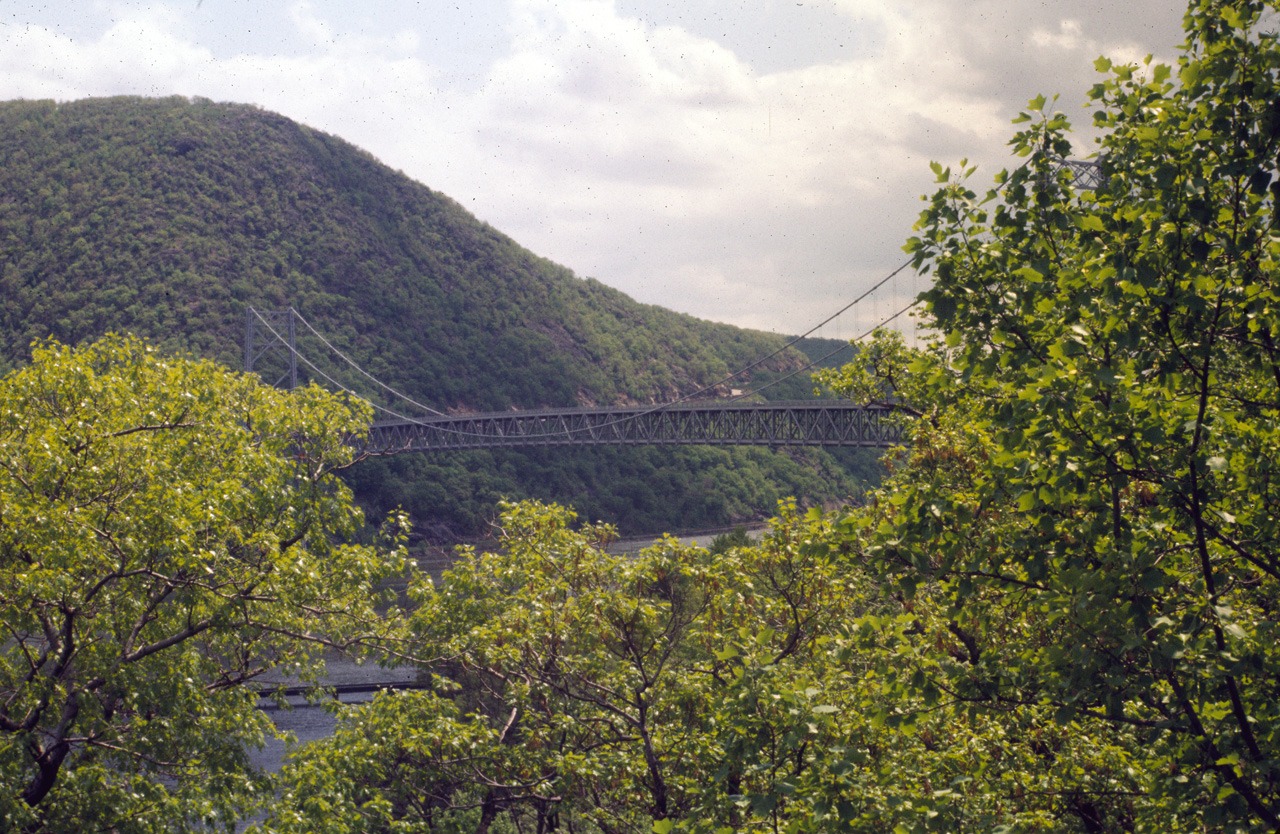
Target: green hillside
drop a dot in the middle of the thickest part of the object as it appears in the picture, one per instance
(166, 218)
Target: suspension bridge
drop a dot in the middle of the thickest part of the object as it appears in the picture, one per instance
(804, 423)
(273, 334)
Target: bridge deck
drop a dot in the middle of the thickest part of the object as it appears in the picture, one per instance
(804, 423)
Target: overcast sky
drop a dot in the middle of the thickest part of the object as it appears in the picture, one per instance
(756, 162)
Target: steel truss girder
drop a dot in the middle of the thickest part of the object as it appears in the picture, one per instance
(807, 423)
(1085, 174)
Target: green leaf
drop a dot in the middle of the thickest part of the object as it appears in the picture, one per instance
(1090, 223)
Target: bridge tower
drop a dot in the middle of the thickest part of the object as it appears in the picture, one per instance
(272, 335)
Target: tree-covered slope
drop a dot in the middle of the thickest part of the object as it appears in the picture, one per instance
(167, 218)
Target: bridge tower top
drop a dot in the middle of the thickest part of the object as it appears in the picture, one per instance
(272, 335)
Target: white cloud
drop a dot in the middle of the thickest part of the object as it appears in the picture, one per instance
(309, 25)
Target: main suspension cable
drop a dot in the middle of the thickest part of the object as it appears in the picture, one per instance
(370, 376)
(825, 357)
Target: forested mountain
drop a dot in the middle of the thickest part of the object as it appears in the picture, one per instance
(167, 218)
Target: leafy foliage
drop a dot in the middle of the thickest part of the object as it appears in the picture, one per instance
(604, 693)
(773, 687)
(1089, 500)
(170, 532)
(724, 542)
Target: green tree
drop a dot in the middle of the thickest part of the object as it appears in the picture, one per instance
(723, 542)
(767, 688)
(596, 692)
(169, 532)
(1089, 504)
